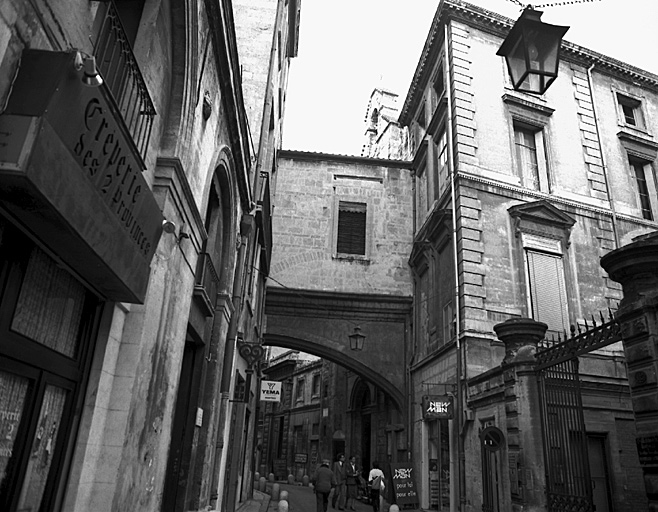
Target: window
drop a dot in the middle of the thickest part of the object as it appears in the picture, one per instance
(316, 385)
(642, 188)
(442, 161)
(448, 322)
(630, 111)
(300, 390)
(546, 283)
(439, 84)
(351, 237)
(531, 156)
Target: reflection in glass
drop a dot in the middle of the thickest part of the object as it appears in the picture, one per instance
(43, 447)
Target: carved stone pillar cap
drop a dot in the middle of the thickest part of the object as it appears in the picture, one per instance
(520, 336)
(636, 259)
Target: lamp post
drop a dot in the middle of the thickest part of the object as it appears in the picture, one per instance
(532, 52)
(356, 339)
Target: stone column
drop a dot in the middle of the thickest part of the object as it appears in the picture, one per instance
(635, 266)
(523, 417)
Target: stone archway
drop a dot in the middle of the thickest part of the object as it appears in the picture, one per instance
(352, 362)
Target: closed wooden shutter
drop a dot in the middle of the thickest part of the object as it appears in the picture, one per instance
(548, 292)
(351, 237)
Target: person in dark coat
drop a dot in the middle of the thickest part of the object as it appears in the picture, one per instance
(339, 473)
(323, 483)
(351, 479)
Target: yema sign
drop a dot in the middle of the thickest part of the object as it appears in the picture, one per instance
(270, 391)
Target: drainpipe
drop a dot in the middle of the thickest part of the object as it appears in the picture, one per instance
(605, 169)
(451, 165)
(229, 355)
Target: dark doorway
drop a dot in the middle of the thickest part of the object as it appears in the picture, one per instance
(181, 453)
(598, 467)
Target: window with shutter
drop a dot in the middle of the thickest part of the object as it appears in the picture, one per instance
(351, 237)
(548, 294)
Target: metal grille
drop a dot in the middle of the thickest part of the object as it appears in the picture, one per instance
(565, 441)
(119, 69)
(568, 482)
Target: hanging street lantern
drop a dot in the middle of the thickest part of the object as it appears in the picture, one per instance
(356, 339)
(532, 52)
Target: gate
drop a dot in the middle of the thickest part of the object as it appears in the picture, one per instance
(568, 484)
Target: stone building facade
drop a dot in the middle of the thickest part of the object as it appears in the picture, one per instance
(341, 238)
(136, 234)
(517, 197)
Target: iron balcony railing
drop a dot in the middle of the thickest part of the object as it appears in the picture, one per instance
(206, 286)
(119, 69)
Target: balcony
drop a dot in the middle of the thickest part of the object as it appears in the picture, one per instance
(206, 285)
(118, 67)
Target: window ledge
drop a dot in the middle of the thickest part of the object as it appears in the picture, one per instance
(526, 103)
(638, 143)
(352, 257)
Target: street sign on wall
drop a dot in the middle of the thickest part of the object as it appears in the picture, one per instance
(437, 407)
(270, 391)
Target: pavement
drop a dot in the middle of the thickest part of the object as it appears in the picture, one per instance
(300, 499)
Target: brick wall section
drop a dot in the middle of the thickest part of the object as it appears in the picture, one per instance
(462, 95)
(589, 137)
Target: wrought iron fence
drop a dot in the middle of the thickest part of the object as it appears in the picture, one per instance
(118, 67)
(568, 484)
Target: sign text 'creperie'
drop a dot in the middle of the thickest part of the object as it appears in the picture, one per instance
(100, 153)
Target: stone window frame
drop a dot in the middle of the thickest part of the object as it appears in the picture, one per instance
(338, 198)
(533, 223)
(641, 149)
(530, 115)
(623, 97)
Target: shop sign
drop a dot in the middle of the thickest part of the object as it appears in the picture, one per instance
(437, 407)
(71, 174)
(301, 458)
(404, 485)
(270, 391)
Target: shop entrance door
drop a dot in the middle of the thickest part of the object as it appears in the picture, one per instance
(47, 324)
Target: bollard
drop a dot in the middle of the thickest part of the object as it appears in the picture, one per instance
(256, 478)
(283, 506)
(262, 484)
(305, 480)
(283, 496)
(271, 477)
(275, 492)
(394, 508)
(291, 479)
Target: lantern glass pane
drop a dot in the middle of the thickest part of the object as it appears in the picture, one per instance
(516, 62)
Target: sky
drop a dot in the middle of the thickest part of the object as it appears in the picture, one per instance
(349, 47)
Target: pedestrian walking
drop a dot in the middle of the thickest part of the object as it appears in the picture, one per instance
(323, 482)
(377, 485)
(339, 492)
(352, 482)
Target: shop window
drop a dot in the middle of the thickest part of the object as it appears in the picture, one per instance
(645, 184)
(352, 222)
(47, 327)
(531, 156)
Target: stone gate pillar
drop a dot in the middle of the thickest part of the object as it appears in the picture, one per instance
(635, 266)
(523, 417)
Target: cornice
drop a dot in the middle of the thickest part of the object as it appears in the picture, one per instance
(352, 159)
(496, 24)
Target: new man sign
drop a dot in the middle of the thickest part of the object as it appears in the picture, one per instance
(270, 391)
(437, 407)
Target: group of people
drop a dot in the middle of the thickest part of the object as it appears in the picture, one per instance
(343, 478)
